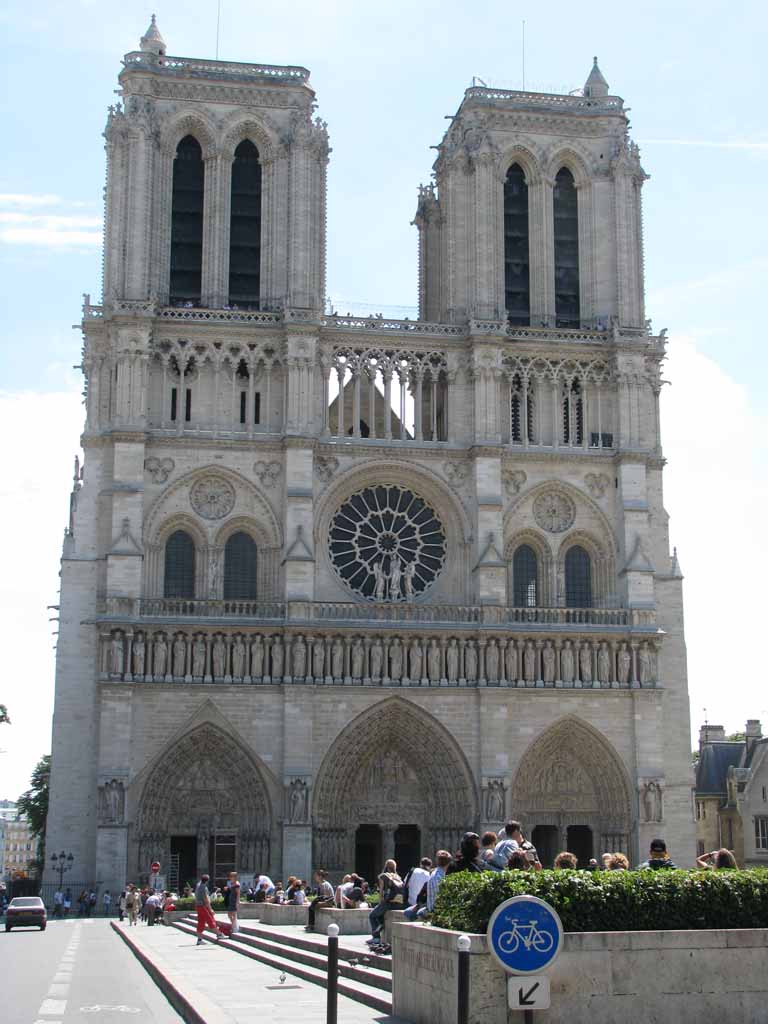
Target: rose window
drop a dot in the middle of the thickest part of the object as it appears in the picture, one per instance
(387, 544)
(212, 497)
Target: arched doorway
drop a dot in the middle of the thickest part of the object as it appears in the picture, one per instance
(204, 807)
(571, 792)
(394, 784)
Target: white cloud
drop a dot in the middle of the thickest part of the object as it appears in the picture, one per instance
(25, 224)
(42, 435)
(716, 491)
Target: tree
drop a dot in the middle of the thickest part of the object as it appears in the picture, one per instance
(4, 719)
(34, 804)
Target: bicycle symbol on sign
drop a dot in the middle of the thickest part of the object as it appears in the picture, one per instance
(530, 936)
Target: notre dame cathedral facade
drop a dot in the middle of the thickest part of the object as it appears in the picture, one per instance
(339, 588)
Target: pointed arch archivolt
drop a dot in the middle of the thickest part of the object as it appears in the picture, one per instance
(572, 774)
(396, 726)
(191, 121)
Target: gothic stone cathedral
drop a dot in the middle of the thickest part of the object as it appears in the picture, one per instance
(336, 588)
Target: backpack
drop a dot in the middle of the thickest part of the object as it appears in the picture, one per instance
(394, 891)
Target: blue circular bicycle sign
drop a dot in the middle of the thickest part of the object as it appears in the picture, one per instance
(525, 934)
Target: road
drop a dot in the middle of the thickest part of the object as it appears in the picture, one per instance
(76, 971)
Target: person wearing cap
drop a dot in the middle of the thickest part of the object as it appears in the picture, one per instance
(658, 857)
(205, 916)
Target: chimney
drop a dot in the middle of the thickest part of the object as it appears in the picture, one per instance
(710, 734)
(753, 732)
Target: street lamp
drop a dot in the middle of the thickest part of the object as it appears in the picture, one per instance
(62, 862)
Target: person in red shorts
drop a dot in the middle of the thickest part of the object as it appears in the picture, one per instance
(205, 918)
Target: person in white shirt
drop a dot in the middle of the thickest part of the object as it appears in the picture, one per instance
(270, 884)
(511, 841)
(417, 879)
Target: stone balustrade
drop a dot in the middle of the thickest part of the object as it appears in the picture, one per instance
(381, 612)
(264, 657)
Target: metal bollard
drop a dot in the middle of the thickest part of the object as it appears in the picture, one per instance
(463, 944)
(333, 973)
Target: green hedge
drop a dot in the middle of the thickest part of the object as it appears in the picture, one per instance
(612, 901)
(188, 903)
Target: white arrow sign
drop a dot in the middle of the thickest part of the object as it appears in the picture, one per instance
(531, 993)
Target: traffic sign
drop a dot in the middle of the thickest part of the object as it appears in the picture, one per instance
(524, 935)
(155, 867)
(531, 993)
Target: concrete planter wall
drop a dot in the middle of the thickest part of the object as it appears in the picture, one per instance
(273, 913)
(599, 978)
(350, 922)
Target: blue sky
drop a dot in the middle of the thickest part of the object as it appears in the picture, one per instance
(385, 77)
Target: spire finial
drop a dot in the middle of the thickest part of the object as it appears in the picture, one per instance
(152, 41)
(595, 85)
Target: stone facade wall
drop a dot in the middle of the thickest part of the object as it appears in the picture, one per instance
(524, 693)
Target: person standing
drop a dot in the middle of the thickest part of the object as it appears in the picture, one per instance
(58, 903)
(658, 857)
(106, 899)
(233, 904)
(67, 902)
(132, 904)
(205, 916)
(121, 905)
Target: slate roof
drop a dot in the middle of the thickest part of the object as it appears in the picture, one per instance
(712, 769)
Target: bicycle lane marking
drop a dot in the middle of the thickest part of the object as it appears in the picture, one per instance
(55, 1002)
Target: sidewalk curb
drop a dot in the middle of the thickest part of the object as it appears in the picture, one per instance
(174, 995)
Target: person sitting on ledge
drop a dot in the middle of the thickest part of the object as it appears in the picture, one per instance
(717, 859)
(325, 898)
(468, 857)
(658, 857)
(566, 861)
(392, 895)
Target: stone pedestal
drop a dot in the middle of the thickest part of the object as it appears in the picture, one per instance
(297, 851)
(111, 859)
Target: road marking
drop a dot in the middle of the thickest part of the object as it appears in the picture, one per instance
(53, 1008)
(98, 1008)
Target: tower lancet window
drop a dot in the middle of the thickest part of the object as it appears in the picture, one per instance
(566, 239)
(239, 568)
(245, 228)
(187, 224)
(525, 577)
(578, 578)
(516, 249)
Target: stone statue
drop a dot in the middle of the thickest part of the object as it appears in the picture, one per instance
(318, 658)
(548, 662)
(160, 655)
(415, 660)
(512, 670)
(380, 581)
(396, 660)
(492, 662)
(337, 659)
(395, 577)
(297, 801)
(139, 655)
(625, 663)
(470, 662)
(377, 658)
(278, 658)
(433, 661)
(111, 802)
(257, 658)
(117, 654)
(495, 800)
(299, 658)
(604, 663)
(452, 660)
(214, 575)
(529, 661)
(644, 666)
(408, 574)
(238, 658)
(358, 657)
(652, 801)
(566, 663)
(198, 657)
(585, 663)
(219, 657)
(179, 656)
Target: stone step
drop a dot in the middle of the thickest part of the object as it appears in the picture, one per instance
(353, 981)
(315, 944)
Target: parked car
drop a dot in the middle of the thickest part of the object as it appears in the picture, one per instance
(26, 911)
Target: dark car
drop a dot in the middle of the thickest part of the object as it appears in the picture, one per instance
(25, 911)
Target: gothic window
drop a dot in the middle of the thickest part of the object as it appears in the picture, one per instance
(240, 567)
(525, 577)
(387, 544)
(566, 221)
(187, 223)
(578, 578)
(245, 228)
(179, 578)
(573, 413)
(516, 252)
(521, 411)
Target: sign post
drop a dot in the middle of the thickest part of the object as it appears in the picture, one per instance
(524, 937)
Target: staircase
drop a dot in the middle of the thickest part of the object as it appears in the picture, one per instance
(363, 976)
